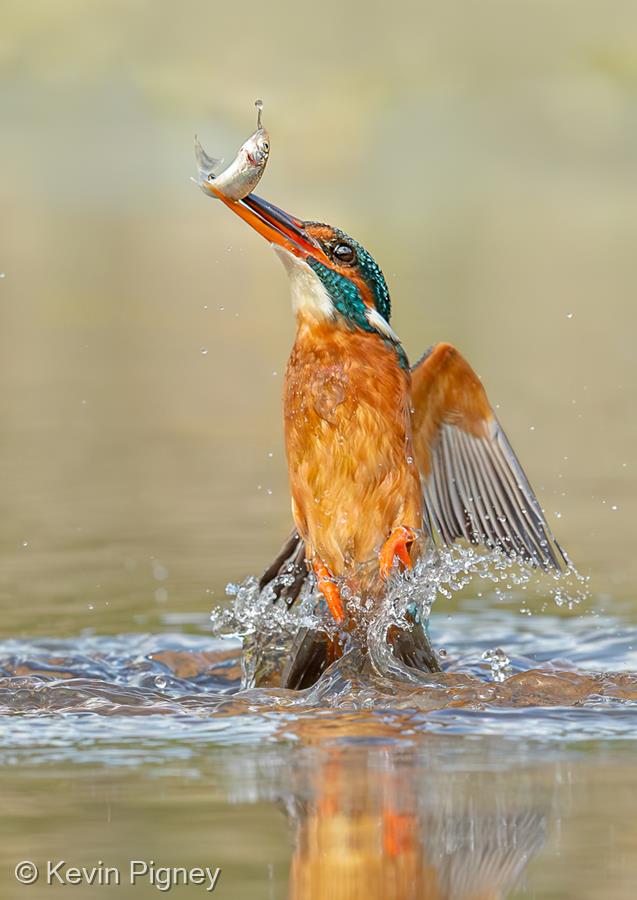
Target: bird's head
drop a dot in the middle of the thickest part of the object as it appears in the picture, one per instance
(332, 276)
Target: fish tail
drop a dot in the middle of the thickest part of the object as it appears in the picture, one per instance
(207, 165)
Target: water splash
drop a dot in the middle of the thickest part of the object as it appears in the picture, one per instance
(499, 662)
(268, 626)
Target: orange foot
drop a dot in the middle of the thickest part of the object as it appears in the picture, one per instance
(399, 832)
(396, 545)
(326, 585)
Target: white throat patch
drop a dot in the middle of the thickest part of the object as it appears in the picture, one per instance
(308, 293)
(379, 324)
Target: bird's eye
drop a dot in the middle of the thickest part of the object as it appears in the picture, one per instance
(344, 253)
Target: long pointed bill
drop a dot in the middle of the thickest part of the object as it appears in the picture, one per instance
(274, 225)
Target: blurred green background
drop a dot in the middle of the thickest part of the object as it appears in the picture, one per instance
(486, 154)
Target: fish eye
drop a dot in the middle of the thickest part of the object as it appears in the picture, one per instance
(344, 253)
(265, 146)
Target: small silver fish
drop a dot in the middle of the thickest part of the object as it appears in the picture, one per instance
(244, 172)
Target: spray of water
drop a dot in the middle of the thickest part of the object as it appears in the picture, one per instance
(268, 626)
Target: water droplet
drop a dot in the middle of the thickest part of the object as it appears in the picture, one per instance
(160, 682)
(499, 662)
(204, 351)
(270, 454)
(221, 308)
(3, 274)
(160, 573)
(614, 508)
(25, 543)
(569, 315)
(206, 306)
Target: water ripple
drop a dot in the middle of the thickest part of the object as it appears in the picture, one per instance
(98, 697)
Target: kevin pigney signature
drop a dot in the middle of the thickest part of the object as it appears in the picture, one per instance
(164, 878)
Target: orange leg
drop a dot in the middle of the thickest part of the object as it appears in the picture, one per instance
(329, 589)
(399, 832)
(396, 545)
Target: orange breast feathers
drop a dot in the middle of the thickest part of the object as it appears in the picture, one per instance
(348, 441)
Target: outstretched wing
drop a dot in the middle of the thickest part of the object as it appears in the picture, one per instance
(474, 486)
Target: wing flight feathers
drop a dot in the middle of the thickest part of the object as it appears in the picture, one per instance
(474, 485)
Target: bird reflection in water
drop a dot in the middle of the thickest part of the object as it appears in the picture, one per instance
(364, 829)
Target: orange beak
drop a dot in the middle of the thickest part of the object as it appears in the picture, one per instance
(276, 226)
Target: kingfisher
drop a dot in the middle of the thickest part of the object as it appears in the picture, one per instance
(383, 458)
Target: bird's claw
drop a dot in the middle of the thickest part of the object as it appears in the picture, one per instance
(327, 586)
(396, 545)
